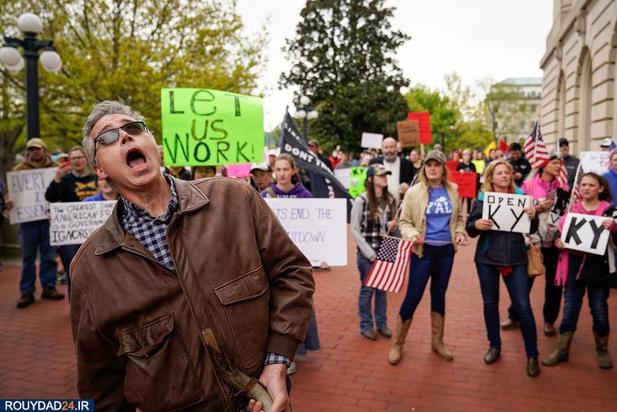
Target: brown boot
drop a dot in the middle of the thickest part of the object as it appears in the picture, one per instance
(604, 356)
(562, 352)
(400, 333)
(437, 325)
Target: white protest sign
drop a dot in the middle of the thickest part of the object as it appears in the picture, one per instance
(71, 223)
(371, 140)
(318, 227)
(507, 211)
(27, 192)
(343, 175)
(596, 162)
(585, 233)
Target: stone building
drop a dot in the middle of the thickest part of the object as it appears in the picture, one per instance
(578, 88)
(520, 107)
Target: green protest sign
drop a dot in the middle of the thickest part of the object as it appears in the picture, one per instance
(210, 127)
(356, 181)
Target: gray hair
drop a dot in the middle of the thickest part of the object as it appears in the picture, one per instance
(102, 109)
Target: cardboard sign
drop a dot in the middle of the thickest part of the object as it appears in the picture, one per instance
(452, 165)
(424, 119)
(357, 181)
(208, 127)
(27, 191)
(71, 223)
(597, 162)
(408, 132)
(343, 175)
(372, 140)
(318, 227)
(585, 233)
(466, 183)
(507, 211)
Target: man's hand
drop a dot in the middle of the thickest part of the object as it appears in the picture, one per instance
(62, 170)
(274, 378)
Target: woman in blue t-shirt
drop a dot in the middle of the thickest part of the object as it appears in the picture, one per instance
(431, 218)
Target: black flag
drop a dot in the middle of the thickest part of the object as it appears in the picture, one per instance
(323, 182)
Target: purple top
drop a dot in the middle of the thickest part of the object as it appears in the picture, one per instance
(297, 191)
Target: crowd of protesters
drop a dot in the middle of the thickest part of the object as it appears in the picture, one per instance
(412, 196)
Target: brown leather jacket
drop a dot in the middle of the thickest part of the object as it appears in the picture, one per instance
(136, 325)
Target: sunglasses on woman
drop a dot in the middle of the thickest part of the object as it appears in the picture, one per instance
(110, 136)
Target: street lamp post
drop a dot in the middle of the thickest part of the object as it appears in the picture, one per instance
(306, 112)
(30, 25)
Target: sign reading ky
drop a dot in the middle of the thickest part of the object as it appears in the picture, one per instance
(585, 233)
(209, 127)
(507, 211)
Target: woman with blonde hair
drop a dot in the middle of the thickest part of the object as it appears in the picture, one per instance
(431, 218)
(503, 254)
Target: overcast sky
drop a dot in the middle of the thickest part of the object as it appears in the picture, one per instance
(479, 39)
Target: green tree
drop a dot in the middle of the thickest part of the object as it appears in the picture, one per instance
(343, 59)
(444, 116)
(504, 108)
(128, 49)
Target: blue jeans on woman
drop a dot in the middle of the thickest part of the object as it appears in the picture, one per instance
(552, 293)
(518, 289)
(34, 236)
(364, 300)
(436, 264)
(573, 301)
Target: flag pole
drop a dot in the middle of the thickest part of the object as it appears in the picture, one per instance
(578, 170)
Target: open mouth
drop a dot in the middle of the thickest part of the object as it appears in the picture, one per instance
(135, 157)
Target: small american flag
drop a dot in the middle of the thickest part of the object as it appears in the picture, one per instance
(535, 149)
(392, 264)
(575, 194)
(563, 174)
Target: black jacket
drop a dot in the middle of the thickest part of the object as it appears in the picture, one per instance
(71, 188)
(571, 164)
(406, 174)
(496, 247)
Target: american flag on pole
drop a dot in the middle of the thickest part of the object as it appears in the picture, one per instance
(392, 264)
(563, 175)
(575, 194)
(535, 149)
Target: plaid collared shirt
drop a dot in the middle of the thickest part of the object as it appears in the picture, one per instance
(152, 232)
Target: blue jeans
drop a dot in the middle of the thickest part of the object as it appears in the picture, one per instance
(34, 236)
(573, 302)
(552, 293)
(67, 253)
(364, 300)
(436, 264)
(518, 289)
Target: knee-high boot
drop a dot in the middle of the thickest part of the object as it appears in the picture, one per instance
(437, 326)
(562, 352)
(604, 356)
(400, 333)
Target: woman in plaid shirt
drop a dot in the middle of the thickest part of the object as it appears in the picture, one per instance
(371, 215)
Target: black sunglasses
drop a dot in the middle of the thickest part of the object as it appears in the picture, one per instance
(110, 136)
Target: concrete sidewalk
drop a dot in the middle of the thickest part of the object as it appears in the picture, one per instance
(349, 372)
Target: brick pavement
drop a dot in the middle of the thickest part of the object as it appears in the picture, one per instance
(349, 372)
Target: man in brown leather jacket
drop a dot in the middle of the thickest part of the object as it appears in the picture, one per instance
(178, 263)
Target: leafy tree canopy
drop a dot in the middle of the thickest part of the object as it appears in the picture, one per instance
(128, 49)
(343, 59)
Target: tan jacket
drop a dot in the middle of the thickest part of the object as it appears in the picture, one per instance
(413, 216)
(136, 325)
(27, 164)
